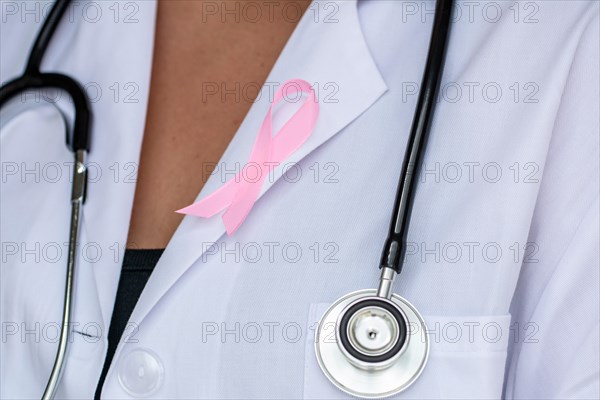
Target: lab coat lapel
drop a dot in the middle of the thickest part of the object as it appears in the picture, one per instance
(332, 56)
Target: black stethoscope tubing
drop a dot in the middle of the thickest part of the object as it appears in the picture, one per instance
(33, 79)
(395, 245)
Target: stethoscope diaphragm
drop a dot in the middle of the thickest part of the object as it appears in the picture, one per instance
(369, 346)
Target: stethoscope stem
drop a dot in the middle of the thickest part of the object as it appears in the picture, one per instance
(77, 199)
(386, 282)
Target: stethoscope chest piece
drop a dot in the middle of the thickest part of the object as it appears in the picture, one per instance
(371, 346)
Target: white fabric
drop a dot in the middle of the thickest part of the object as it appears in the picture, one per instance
(519, 324)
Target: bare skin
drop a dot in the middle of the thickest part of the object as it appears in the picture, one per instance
(188, 129)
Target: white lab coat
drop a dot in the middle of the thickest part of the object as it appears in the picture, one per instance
(503, 262)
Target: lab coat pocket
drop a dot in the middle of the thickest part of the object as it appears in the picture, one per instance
(466, 360)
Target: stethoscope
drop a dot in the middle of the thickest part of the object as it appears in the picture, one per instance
(373, 343)
(78, 141)
(370, 343)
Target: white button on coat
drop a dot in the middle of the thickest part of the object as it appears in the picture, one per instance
(140, 372)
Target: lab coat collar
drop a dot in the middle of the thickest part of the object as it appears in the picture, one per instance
(334, 57)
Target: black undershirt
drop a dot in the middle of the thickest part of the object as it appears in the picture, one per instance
(136, 269)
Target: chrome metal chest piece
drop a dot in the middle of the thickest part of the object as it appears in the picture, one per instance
(366, 350)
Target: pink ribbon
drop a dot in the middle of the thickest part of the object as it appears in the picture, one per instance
(238, 195)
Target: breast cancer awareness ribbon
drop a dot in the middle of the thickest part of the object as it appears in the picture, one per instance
(238, 195)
